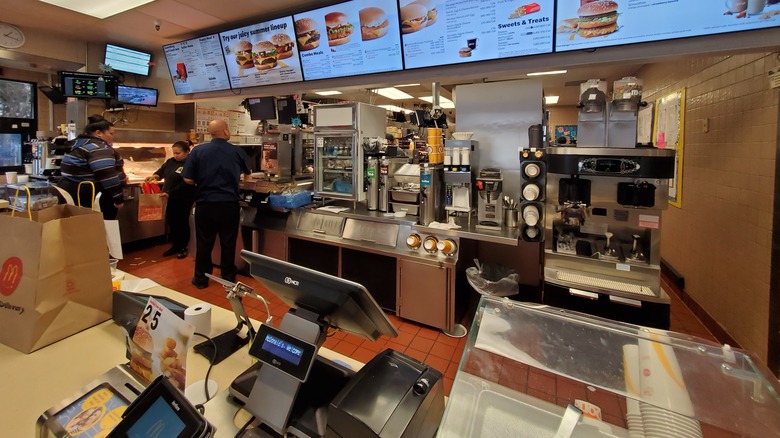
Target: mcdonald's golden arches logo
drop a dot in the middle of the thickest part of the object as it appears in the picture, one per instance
(10, 275)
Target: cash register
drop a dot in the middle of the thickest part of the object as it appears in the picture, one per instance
(292, 390)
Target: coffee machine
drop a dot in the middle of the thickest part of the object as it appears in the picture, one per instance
(490, 207)
(458, 177)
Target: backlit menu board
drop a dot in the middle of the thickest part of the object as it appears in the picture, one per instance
(589, 24)
(197, 65)
(262, 54)
(352, 38)
(439, 32)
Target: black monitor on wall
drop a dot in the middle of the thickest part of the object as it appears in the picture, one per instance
(88, 85)
(262, 108)
(341, 303)
(136, 96)
(127, 60)
(285, 108)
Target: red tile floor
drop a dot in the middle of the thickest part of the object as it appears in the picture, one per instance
(420, 342)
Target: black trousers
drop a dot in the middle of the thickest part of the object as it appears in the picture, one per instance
(177, 216)
(106, 203)
(214, 219)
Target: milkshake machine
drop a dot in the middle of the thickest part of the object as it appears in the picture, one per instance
(490, 207)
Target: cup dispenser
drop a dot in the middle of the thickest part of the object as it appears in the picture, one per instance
(490, 212)
(592, 118)
(531, 210)
(623, 112)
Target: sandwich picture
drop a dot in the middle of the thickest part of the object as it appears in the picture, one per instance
(339, 28)
(307, 34)
(430, 5)
(141, 346)
(464, 52)
(284, 45)
(243, 53)
(413, 18)
(373, 23)
(597, 18)
(264, 55)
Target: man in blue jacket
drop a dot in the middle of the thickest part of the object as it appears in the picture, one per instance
(215, 169)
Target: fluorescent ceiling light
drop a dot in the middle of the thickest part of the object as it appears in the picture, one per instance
(551, 100)
(99, 9)
(542, 73)
(392, 93)
(328, 92)
(395, 108)
(406, 85)
(443, 101)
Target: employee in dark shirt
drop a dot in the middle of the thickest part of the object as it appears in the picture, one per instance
(180, 198)
(215, 168)
(91, 158)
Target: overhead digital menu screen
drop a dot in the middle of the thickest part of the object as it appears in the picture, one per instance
(262, 54)
(197, 65)
(352, 38)
(440, 32)
(589, 24)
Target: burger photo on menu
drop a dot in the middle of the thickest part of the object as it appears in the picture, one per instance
(597, 18)
(284, 45)
(339, 28)
(243, 53)
(264, 55)
(307, 34)
(373, 23)
(430, 6)
(414, 17)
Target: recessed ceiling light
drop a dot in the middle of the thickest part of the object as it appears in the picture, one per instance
(99, 9)
(443, 101)
(328, 92)
(392, 93)
(406, 85)
(551, 100)
(542, 73)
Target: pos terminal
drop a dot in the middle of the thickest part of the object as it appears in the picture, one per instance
(292, 390)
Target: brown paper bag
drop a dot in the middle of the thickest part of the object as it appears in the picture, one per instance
(150, 207)
(55, 278)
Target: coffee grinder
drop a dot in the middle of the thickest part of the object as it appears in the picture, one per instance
(623, 112)
(490, 208)
(592, 118)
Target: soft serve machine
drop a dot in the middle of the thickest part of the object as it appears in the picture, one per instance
(603, 213)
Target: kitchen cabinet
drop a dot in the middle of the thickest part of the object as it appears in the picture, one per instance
(422, 295)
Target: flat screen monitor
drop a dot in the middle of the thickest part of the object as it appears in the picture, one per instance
(610, 23)
(285, 108)
(197, 65)
(463, 32)
(353, 38)
(10, 150)
(127, 60)
(136, 96)
(343, 304)
(88, 85)
(262, 54)
(262, 108)
(423, 119)
(17, 99)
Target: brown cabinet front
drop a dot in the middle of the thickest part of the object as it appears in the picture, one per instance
(423, 292)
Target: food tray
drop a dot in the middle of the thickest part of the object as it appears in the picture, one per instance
(290, 201)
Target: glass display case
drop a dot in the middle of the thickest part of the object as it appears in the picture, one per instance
(533, 371)
(336, 172)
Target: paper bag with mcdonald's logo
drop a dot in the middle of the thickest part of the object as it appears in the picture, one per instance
(55, 278)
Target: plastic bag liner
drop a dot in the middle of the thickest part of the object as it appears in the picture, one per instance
(493, 280)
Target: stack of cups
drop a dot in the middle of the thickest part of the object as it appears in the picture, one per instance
(435, 146)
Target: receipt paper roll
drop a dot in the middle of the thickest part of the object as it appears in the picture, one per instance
(199, 315)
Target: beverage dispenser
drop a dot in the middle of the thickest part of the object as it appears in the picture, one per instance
(384, 184)
(431, 193)
(490, 207)
(592, 119)
(623, 111)
(372, 183)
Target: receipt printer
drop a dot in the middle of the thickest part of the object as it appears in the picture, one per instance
(391, 396)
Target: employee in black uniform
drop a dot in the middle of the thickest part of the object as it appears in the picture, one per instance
(180, 198)
(215, 168)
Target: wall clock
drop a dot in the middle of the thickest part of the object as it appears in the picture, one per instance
(10, 36)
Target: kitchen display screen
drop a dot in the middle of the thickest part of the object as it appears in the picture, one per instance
(88, 85)
(197, 65)
(159, 420)
(440, 32)
(127, 60)
(10, 150)
(283, 350)
(609, 23)
(262, 54)
(136, 95)
(352, 38)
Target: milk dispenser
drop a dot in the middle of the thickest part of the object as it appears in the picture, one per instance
(592, 119)
(623, 111)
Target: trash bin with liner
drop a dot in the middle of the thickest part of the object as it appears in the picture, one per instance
(493, 280)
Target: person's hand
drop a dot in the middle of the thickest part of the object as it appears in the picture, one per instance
(119, 205)
(151, 179)
(163, 195)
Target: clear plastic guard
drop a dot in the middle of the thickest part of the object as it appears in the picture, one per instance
(524, 363)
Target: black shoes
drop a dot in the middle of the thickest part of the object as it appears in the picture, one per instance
(183, 253)
(200, 283)
(171, 251)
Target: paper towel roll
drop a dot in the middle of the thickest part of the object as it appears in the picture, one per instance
(199, 315)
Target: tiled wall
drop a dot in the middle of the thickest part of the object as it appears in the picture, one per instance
(720, 240)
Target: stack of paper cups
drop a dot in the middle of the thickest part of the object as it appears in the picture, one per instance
(464, 156)
(199, 315)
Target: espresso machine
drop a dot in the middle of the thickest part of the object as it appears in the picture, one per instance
(602, 226)
(490, 207)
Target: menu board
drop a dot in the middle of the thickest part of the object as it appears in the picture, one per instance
(352, 38)
(261, 54)
(589, 24)
(197, 65)
(440, 32)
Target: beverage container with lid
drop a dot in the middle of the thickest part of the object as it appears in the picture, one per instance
(628, 88)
